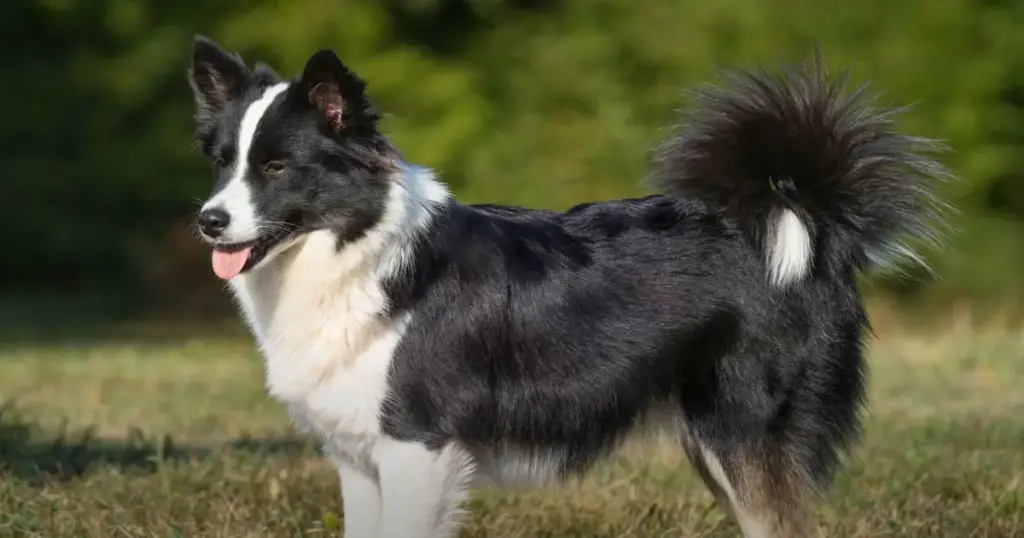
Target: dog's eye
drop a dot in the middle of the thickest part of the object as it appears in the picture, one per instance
(273, 167)
(219, 162)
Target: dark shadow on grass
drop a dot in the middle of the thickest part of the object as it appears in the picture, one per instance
(148, 333)
(98, 318)
(26, 453)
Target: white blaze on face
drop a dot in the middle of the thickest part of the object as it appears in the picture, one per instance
(235, 198)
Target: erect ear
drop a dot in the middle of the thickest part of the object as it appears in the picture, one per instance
(331, 88)
(215, 76)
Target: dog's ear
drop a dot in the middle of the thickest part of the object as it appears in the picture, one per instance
(216, 75)
(330, 87)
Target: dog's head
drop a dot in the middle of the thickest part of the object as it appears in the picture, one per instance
(288, 157)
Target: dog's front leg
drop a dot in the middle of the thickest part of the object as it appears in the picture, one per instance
(361, 501)
(422, 489)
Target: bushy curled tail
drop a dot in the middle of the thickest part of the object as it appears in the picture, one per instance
(815, 174)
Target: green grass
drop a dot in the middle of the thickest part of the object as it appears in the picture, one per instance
(175, 438)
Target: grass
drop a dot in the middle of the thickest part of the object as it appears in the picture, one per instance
(175, 438)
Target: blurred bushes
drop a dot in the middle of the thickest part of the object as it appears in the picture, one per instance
(537, 102)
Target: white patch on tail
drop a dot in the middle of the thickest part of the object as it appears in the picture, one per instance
(788, 250)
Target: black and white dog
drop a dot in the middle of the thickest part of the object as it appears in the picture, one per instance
(432, 344)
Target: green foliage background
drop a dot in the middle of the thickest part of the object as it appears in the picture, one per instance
(537, 102)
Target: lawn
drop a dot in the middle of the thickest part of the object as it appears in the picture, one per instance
(173, 437)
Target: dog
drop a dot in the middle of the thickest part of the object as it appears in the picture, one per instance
(434, 346)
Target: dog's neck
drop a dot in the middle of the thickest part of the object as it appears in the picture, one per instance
(320, 298)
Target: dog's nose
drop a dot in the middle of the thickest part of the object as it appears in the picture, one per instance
(213, 221)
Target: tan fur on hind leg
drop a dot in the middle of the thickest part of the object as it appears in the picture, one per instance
(769, 497)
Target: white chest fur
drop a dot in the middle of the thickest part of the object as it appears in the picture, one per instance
(316, 316)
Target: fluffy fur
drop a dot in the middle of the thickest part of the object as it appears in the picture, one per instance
(434, 346)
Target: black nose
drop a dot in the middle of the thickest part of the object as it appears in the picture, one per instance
(213, 221)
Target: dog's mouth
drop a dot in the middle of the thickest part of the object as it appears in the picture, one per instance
(232, 259)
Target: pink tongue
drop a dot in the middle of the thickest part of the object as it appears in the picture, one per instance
(227, 265)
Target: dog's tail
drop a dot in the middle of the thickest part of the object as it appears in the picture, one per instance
(816, 176)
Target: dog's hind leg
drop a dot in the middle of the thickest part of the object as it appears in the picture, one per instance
(767, 430)
(764, 488)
